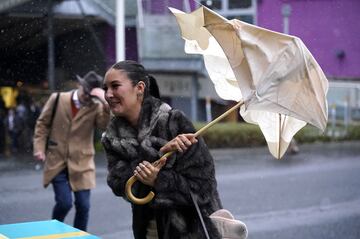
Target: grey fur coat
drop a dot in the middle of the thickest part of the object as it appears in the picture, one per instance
(172, 206)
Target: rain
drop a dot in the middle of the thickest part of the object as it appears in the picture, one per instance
(281, 179)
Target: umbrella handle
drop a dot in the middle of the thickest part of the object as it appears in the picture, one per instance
(133, 179)
(151, 195)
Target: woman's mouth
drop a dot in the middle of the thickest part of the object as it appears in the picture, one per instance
(114, 103)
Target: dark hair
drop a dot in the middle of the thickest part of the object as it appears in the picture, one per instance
(154, 89)
(135, 72)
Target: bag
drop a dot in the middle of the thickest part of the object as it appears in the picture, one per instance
(49, 142)
(226, 224)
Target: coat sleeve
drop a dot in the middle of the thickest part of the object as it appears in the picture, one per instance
(102, 116)
(119, 173)
(119, 169)
(192, 170)
(42, 127)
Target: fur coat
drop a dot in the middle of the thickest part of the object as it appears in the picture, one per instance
(172, 207)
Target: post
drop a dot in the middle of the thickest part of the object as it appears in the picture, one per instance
(286, 12)
(333, 119)
(194, 97)
(120, 30)
(208, 109)
(346, 115)
(51, 48)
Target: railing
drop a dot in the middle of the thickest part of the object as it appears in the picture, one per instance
(344, 107)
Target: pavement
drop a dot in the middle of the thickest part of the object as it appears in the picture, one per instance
(24, 161)
(304, 195)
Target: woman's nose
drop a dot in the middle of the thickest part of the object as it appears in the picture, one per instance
(108, 93)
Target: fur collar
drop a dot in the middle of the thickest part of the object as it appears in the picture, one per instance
(121, 137)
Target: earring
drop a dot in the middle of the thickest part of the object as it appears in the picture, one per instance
(139, 95)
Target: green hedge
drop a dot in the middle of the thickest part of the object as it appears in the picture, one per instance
(232, 135)
(236, 135)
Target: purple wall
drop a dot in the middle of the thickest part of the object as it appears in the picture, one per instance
(131, 48)
(325, 26)
(110, 46)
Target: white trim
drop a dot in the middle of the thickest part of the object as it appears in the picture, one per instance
(344, 84)
(120, 30)
(225, 11)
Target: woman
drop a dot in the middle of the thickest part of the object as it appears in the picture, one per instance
(141, 130)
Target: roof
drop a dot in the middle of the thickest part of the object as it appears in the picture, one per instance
(23, 23)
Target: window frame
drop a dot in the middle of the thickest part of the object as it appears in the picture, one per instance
(225, 11)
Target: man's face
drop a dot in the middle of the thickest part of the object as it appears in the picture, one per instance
(84, 96)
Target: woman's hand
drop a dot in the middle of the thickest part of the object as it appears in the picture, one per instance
(146, 173)
(180, 143)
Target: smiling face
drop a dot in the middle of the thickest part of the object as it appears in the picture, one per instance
(123, 97)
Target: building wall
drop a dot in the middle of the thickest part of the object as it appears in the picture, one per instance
(327, 27)
(131, 47)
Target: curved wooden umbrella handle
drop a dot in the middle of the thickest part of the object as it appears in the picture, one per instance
(150, 196)
(132, 180)
(132, 198)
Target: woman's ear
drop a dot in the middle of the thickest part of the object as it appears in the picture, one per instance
(141, 87)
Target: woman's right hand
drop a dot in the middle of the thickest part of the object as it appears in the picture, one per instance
(180, 143)
(147, 173)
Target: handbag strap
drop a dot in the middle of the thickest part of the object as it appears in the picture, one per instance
(54, 109)
(200, 215)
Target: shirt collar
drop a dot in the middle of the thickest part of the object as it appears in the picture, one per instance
(75, 99)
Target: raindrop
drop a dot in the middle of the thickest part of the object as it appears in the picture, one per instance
(38, 166)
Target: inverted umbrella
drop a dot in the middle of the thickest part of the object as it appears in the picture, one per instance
(280, 82)
(273, 77)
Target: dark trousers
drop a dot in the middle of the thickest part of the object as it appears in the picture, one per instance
(64, 201)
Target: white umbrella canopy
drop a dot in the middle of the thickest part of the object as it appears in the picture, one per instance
(280, 82)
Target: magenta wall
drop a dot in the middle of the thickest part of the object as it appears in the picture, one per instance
(325, 26)
(131, 48)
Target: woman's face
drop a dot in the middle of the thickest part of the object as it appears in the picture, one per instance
(122, 97)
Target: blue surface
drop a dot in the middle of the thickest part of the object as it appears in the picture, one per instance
(40, 228)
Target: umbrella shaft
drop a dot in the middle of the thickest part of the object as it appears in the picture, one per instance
(202, 130)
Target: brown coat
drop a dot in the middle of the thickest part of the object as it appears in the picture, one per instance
(74, 138)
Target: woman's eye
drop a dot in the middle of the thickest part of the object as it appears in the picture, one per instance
(115, 86)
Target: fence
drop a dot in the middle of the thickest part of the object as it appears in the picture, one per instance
(344, 107)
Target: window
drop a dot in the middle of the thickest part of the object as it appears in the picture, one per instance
(244, 18)
(212, 4)
(235, 4)
(244, 10)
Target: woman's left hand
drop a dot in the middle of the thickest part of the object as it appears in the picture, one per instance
(146, 173)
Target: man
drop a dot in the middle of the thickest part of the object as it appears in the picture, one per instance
(69, 158)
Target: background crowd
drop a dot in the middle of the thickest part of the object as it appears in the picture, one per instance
(17, 125)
